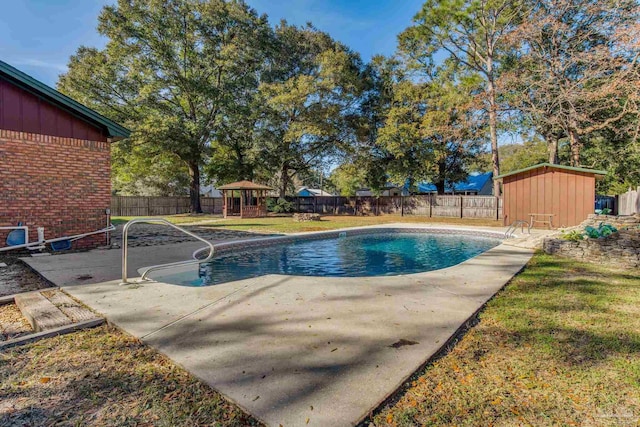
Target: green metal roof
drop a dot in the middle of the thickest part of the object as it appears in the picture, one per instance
(114, 130)
(550, 165)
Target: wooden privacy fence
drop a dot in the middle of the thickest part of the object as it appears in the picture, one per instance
(151, 206)
(629, 202)
(429, 205)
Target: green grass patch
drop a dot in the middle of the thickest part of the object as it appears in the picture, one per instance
(560, 345)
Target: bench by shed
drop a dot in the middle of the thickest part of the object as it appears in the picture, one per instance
(564, 195)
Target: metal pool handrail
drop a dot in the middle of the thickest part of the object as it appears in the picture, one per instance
(514, 226)
(125, 249)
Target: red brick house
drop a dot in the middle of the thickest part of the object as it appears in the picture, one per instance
(54, 160)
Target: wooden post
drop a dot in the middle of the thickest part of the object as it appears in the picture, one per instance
(461, 206)
(377, 205)
(401, 205)
(497, 208)
(430, 205)
(241, 203)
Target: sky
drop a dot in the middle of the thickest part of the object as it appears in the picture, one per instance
(39, 36)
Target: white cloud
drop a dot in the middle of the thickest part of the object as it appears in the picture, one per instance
(31, 62)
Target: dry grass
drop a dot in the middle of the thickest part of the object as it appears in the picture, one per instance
(285, 224)
(12, 323)
(16, 277)
(103, 377)
(559, 346)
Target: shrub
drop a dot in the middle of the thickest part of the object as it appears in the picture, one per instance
(603, 230)
(279, 206)
(573, 235)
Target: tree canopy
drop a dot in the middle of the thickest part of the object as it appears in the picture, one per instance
(214, 93)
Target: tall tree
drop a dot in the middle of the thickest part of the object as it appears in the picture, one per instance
(432, 131)
(472, 33)
(370, 158)
(310, 95)
(180, 62)
(575, 69)
(519, 156)
(347, 178)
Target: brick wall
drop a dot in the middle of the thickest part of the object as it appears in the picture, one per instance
(62, 184)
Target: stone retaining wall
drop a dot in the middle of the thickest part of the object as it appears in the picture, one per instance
(620, 249)
(617, 221)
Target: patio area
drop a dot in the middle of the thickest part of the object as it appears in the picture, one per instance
(294, 350)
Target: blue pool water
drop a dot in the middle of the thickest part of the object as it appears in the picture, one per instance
(380, 254)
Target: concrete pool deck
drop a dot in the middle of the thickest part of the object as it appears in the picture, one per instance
(297, 350)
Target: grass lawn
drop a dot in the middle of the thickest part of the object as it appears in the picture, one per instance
(103, 377)
(560, 345)
(284, 224)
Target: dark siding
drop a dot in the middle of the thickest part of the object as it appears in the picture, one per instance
(22, 111)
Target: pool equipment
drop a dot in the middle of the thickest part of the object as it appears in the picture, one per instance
(18, 238)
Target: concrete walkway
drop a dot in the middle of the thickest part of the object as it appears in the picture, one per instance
(297, 350)
(102, 265)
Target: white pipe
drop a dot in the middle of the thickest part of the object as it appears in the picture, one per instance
(80, 236)
(58, 239)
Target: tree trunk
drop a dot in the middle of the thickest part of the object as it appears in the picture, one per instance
(284, 181)
(194, 188)
(574, 143)
(493, 129)
(552, 148)
(440, 181)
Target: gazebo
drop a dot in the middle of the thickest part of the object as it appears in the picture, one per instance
(245, 199)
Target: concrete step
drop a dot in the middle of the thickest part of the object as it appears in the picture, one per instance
(41, 313)
(70, 307)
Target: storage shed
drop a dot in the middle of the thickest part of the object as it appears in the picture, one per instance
(54, 160)
(561, 195)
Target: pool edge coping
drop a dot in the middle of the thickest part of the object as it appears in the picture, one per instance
(257, 242)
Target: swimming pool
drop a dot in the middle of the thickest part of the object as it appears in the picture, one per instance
(353, 254)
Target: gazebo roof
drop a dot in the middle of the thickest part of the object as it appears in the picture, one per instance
(244, 185)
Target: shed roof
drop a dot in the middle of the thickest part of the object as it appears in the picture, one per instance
(550, 165)
(244, 185)
(40, 89)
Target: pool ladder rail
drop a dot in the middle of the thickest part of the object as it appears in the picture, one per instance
(514, 226)
(195, 260)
